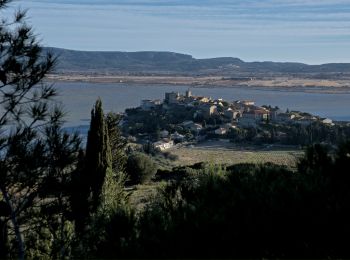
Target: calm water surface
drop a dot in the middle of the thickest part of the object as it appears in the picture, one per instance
(78, 99)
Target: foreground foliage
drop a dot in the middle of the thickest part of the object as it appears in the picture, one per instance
(36, 156)
(244, 211)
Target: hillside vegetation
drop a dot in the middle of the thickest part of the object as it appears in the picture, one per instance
(150, 62)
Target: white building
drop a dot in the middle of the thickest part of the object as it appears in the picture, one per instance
(163, 145)
(147, 104)
(327, 121)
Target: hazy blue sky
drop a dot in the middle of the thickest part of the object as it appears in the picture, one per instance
(312, 31)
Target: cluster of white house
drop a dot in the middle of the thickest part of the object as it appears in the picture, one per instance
(168, 140)
(242, 113)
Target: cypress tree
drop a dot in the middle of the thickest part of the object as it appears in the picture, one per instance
(102, 192)
(96, 190)
(98, 154)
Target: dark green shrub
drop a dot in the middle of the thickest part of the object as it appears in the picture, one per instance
(140, 168)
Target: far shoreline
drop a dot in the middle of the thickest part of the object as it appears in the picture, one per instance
(275, 84)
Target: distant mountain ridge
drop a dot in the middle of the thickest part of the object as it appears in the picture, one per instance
(150, 62)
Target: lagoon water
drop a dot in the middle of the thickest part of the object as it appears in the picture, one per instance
(78, 99)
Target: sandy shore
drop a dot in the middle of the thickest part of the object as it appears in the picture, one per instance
(278, 83)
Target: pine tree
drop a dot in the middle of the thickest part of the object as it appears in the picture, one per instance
(25, 111)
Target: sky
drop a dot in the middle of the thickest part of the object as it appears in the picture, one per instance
(310, 31)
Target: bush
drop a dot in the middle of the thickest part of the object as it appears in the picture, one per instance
(140, 168)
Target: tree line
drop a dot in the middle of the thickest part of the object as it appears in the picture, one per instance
(292, 134)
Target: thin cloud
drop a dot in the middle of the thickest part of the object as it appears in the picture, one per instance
(202, 28)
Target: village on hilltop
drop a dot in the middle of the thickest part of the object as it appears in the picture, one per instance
(187, 117)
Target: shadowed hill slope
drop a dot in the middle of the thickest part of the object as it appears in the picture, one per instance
(149, 62)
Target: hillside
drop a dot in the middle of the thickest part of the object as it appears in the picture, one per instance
(148, 62)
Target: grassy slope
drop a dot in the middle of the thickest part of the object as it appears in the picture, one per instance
(189, 156)
(217, 153)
